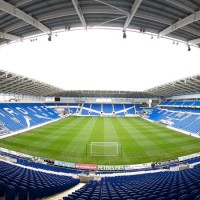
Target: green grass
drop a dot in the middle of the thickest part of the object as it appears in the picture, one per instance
(66, 140)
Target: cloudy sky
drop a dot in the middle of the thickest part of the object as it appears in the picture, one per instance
(101, 60)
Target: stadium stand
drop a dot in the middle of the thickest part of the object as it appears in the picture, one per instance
(165, 102)
(42, 166)
(180, 114)
(130, 109)
(119, 109)
(95, 109)
(180, 103)
(3, 129)
(99, 109)
(138, 109)
(181, 185)
(178, 20)
(22, 183)
(86, 109)
(107, 108)
(14, 117)
(151, 185)
(73, 108)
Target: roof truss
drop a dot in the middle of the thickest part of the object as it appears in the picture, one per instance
(9, 36)
(114, 10)
(12, 10)
(61, 14)
(17, 84)
(132, 13)
(79, 12)
(188, 85)
(181, 23)
(194, 42)
(112, 6)
(181, 5)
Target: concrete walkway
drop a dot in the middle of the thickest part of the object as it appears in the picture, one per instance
(65, 193)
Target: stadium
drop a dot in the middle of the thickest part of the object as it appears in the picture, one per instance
(99, 144)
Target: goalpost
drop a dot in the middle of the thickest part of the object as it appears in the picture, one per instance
(104, 149)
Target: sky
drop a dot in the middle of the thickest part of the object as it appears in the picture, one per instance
(101, 60)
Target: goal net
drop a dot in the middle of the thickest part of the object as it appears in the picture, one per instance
(104, 149)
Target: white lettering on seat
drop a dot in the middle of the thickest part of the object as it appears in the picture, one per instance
(10, 111)
(22, 110)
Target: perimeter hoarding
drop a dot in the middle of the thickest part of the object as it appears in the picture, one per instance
(110, 167)
(138, 166)
(64, 164)
(191, 156)
(87, 166)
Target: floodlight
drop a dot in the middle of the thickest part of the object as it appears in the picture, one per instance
(49, 38)
(124, 34)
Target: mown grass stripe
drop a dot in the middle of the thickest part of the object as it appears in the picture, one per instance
(66, 140)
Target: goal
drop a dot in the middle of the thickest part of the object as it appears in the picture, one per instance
(104, 149)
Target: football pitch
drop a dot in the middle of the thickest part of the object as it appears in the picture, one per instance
(67, 140)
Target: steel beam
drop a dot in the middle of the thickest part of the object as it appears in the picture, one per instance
(9, 36)
(180, 5)
(108, 21)
(12, 10)
(110, 5)
(194, 42)
(132, 13)
(80, 14)
(181, 23)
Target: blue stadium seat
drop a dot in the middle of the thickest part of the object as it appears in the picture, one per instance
(23, 183)
(166, 185)
(10, 192)
(22, 193)
(17, 116)
(178, 118)
(197, 197)
(2, 188)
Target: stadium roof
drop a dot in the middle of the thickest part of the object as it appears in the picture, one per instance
(178, 19)
(104, 94)
(190, 85)
(17, 84)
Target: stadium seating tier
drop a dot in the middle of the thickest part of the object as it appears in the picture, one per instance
(18, 116)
